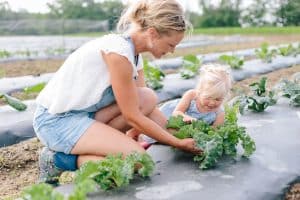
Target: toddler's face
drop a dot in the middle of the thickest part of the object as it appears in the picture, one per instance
(210, 104)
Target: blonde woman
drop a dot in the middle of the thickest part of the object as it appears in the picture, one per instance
(99, 92)
(205, 101)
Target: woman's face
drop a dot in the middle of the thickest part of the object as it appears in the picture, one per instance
(163, 44)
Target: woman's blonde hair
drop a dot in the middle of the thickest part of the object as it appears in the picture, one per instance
(163, 15)
(214, 81)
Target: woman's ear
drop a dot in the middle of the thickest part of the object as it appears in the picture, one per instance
(153, 33)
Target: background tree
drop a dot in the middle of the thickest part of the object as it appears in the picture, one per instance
(87, 9)
(227, 13)
(289, 13)
(255, 14)
(112, 10)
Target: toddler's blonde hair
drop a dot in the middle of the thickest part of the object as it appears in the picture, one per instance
(214, 81)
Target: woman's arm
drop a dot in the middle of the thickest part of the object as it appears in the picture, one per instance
(183, 106)
(126, 95)
(140, 81)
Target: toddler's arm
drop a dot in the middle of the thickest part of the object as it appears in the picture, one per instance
(219, 119)
(183, 106)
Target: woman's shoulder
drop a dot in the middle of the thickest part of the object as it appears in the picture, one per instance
(109, 40)
(114, 38)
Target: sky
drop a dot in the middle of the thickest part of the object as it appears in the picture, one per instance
(41, 5)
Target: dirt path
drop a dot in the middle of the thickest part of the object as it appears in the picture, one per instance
(18, 163)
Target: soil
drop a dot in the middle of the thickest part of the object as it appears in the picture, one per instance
(19, 162)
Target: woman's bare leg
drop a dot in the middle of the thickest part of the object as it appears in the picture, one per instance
(102, 140)
(112, 116)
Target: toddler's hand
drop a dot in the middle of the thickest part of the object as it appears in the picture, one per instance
(188, 119)
(189, 145)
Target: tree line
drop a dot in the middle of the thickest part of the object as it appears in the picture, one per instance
(228, 13)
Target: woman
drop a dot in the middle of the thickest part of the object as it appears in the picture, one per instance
(99, 93)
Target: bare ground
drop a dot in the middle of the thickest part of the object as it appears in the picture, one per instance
(18, 163)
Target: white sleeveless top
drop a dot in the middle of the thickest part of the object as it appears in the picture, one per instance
(81, 80)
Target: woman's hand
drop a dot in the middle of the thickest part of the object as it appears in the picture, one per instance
(189, 145)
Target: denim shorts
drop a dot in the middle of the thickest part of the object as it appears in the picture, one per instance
(60, 132)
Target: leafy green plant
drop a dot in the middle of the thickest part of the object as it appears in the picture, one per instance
(56, 51)
(215, 142)
(4, 54)
(233, 61)
(291, 90)
(190, 66)
(26, 53)
(41, 191)
(265, 54)
(153, 76)
(259, 100)
(35, 89)
(287, 51)
(13, 102)
(112, 172)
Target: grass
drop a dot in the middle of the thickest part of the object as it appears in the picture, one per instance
(223, 31)
(248, 31)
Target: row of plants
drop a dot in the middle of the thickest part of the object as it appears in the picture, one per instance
(257, 101)
(261, 98)
(191, 64)
(110, 173)
(266, 54)
(28, 53)
(190, 68)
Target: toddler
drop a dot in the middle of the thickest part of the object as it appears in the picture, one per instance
(205, 101)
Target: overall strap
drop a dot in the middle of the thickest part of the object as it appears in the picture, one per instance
(136, 57)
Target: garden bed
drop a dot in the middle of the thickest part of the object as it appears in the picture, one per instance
(15, 176)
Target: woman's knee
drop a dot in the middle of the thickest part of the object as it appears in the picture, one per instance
(148, 100)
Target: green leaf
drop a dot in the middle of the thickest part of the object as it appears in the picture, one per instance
(35, 89)
(82, 189)
(41, 191)
(259, 87)
(233, 61)
(175, 122)
(15, 103)
(153, 76)
(186, 131)
(248, 144)
(264, 53)
(145, 162)
(231, 114)
(190, 66)
(212, 149)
